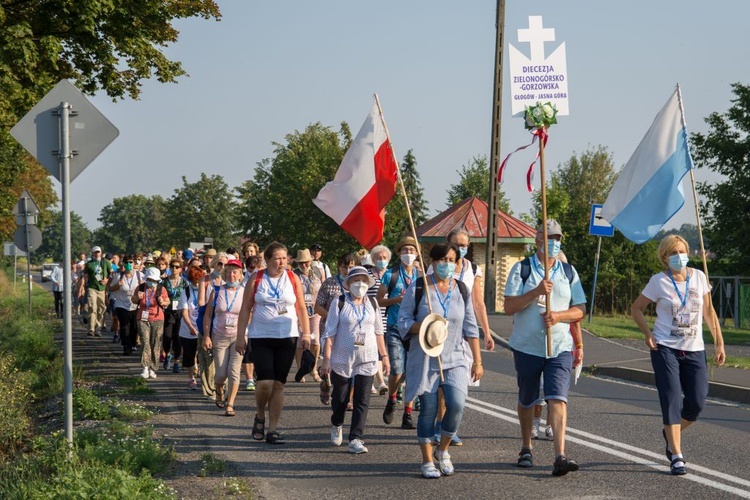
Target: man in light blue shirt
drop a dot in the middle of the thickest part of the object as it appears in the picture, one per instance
(525, 300)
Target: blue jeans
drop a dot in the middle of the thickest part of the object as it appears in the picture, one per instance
(396, 350)
(455, 401)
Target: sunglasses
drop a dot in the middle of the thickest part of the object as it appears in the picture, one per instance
(219, 264)
(175, 267)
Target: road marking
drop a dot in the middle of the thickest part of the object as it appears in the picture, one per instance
(587, 439)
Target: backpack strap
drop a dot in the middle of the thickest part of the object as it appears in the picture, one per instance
(373, 301)
(526, 270)
(393, 281)
(474, 268)
(291, 277)
(568, 270)
(419, 292)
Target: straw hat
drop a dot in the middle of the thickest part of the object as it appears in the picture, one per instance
(303, 256)
(432, 334)
(406, 240)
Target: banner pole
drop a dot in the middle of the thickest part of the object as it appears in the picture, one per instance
(544, 235)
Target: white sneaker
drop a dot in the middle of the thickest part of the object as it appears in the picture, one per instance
(336, 435)
(430, 471)
(357, 446)
(151, 373)
(548, 432)
(444, 462)
(535, 429)
(145, 373)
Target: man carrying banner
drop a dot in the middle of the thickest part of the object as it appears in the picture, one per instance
(525, 293)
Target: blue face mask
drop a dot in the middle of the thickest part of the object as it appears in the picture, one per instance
(678, 261)
(232, 284)
(381, 264)
(553, 248)
(445, 269)
(462, 252)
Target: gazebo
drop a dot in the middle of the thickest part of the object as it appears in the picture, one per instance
(471, 214)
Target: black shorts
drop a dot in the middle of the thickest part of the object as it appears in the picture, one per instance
(247, 358)
(273, 358)
(189, 348)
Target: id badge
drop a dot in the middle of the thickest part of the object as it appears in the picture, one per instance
(360, 340)
(281, 307)
(230, 322)
(308, 298)
(542, 301)
(144, 315)
(174, 305)
(683, 320)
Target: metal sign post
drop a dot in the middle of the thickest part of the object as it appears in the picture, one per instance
(598, 227)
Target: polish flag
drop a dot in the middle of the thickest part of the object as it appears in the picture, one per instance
(365, 182)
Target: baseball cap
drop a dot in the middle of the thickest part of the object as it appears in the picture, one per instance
(96, 249)
(188, 254)
(553, 228)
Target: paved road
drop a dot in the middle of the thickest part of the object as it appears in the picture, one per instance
(614, 434)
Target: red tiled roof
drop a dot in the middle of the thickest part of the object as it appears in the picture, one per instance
(472, 214)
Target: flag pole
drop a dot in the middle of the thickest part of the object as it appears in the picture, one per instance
(543, 179)
(714, 317)
(408, 212)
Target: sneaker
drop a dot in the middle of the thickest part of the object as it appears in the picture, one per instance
(374, 390)
(429, 471)
(535, 429)
(563, 465)
(166, 361)
(356, 446)
(176, 367)
(456, 441)
(250, 385)
(145, 373)
(383, 390)
(192, 385)
(407, 422)
(390, 408)
(444, 462)
(548, 432)
(151, 373)
(337, 436)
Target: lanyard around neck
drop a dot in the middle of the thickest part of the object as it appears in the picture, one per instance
(445, 302)
(683, 298)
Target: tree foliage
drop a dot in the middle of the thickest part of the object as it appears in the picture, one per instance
(475, 181)
(396, 218)
(131, 224)
(52, 238)
(725, 149)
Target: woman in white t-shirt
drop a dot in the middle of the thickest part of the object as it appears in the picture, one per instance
(121, 289)
(678, 355)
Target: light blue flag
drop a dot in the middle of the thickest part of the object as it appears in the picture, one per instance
(648, 191)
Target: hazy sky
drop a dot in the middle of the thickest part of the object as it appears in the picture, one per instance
(271, 67)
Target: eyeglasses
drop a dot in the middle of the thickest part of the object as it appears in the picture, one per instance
(175, 267)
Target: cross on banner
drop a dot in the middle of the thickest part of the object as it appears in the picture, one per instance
(536, 35)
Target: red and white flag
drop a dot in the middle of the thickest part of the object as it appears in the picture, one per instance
(364, 184)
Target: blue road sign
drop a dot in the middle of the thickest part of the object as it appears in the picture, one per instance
(598, 226)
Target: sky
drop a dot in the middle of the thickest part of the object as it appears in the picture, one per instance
(269, 68)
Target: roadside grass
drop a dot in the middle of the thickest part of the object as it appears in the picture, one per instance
(623, 327)
(211, 464)
(113, 455)
(235, 487)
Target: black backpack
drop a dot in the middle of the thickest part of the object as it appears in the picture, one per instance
(142, 288)
(526, 270)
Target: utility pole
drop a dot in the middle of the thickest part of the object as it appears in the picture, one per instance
(490, 280)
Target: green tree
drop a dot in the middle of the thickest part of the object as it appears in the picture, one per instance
(396, 218)
(132, 223)
(277, 203)
(725, 149)
(52, 238)
(206, 208)
(475, 181)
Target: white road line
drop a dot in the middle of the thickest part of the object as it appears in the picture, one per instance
(587, 439)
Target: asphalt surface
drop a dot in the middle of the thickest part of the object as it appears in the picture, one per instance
(614, 432)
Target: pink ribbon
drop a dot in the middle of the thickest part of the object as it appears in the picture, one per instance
(540, 133)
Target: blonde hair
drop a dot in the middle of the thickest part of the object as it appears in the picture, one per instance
(217, 257)
(667, 247)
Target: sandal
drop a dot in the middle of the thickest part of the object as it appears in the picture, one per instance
(525, 458)
(325, 391)
(677, 467)
(219, 399)
(229, 410)
(259, 429)
(274, 437)
(667, 451)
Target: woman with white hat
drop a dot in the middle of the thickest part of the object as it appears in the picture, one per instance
(151, 299)
(354, 344)
(436, 358)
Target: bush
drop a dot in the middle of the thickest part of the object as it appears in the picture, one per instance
(15, 425)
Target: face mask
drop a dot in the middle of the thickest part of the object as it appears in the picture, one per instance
(445, 269)
(215, 273)
(358, 289)
(408, 258)
(553, 248)
(462, 252)
(129, 266)
(381, 264)
(678, 261)
(232, 284)
(150, 284)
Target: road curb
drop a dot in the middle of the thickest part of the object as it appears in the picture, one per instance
(715, 389)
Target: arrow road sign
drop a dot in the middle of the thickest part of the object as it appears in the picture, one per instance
(39, 131)
(598, 226)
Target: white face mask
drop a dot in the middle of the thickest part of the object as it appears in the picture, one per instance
(358, 289)
(408, 258)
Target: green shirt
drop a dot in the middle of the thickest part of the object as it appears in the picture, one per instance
(95, 271)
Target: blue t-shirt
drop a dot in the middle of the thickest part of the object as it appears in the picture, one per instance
(402, 283)
(528, 334)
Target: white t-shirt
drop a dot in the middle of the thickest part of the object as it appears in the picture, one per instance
(127, 287)
(191, 304)
(679, 318)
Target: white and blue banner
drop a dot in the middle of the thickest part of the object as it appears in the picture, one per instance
(648, 191)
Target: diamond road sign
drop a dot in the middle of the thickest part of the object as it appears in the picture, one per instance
(90, 132)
